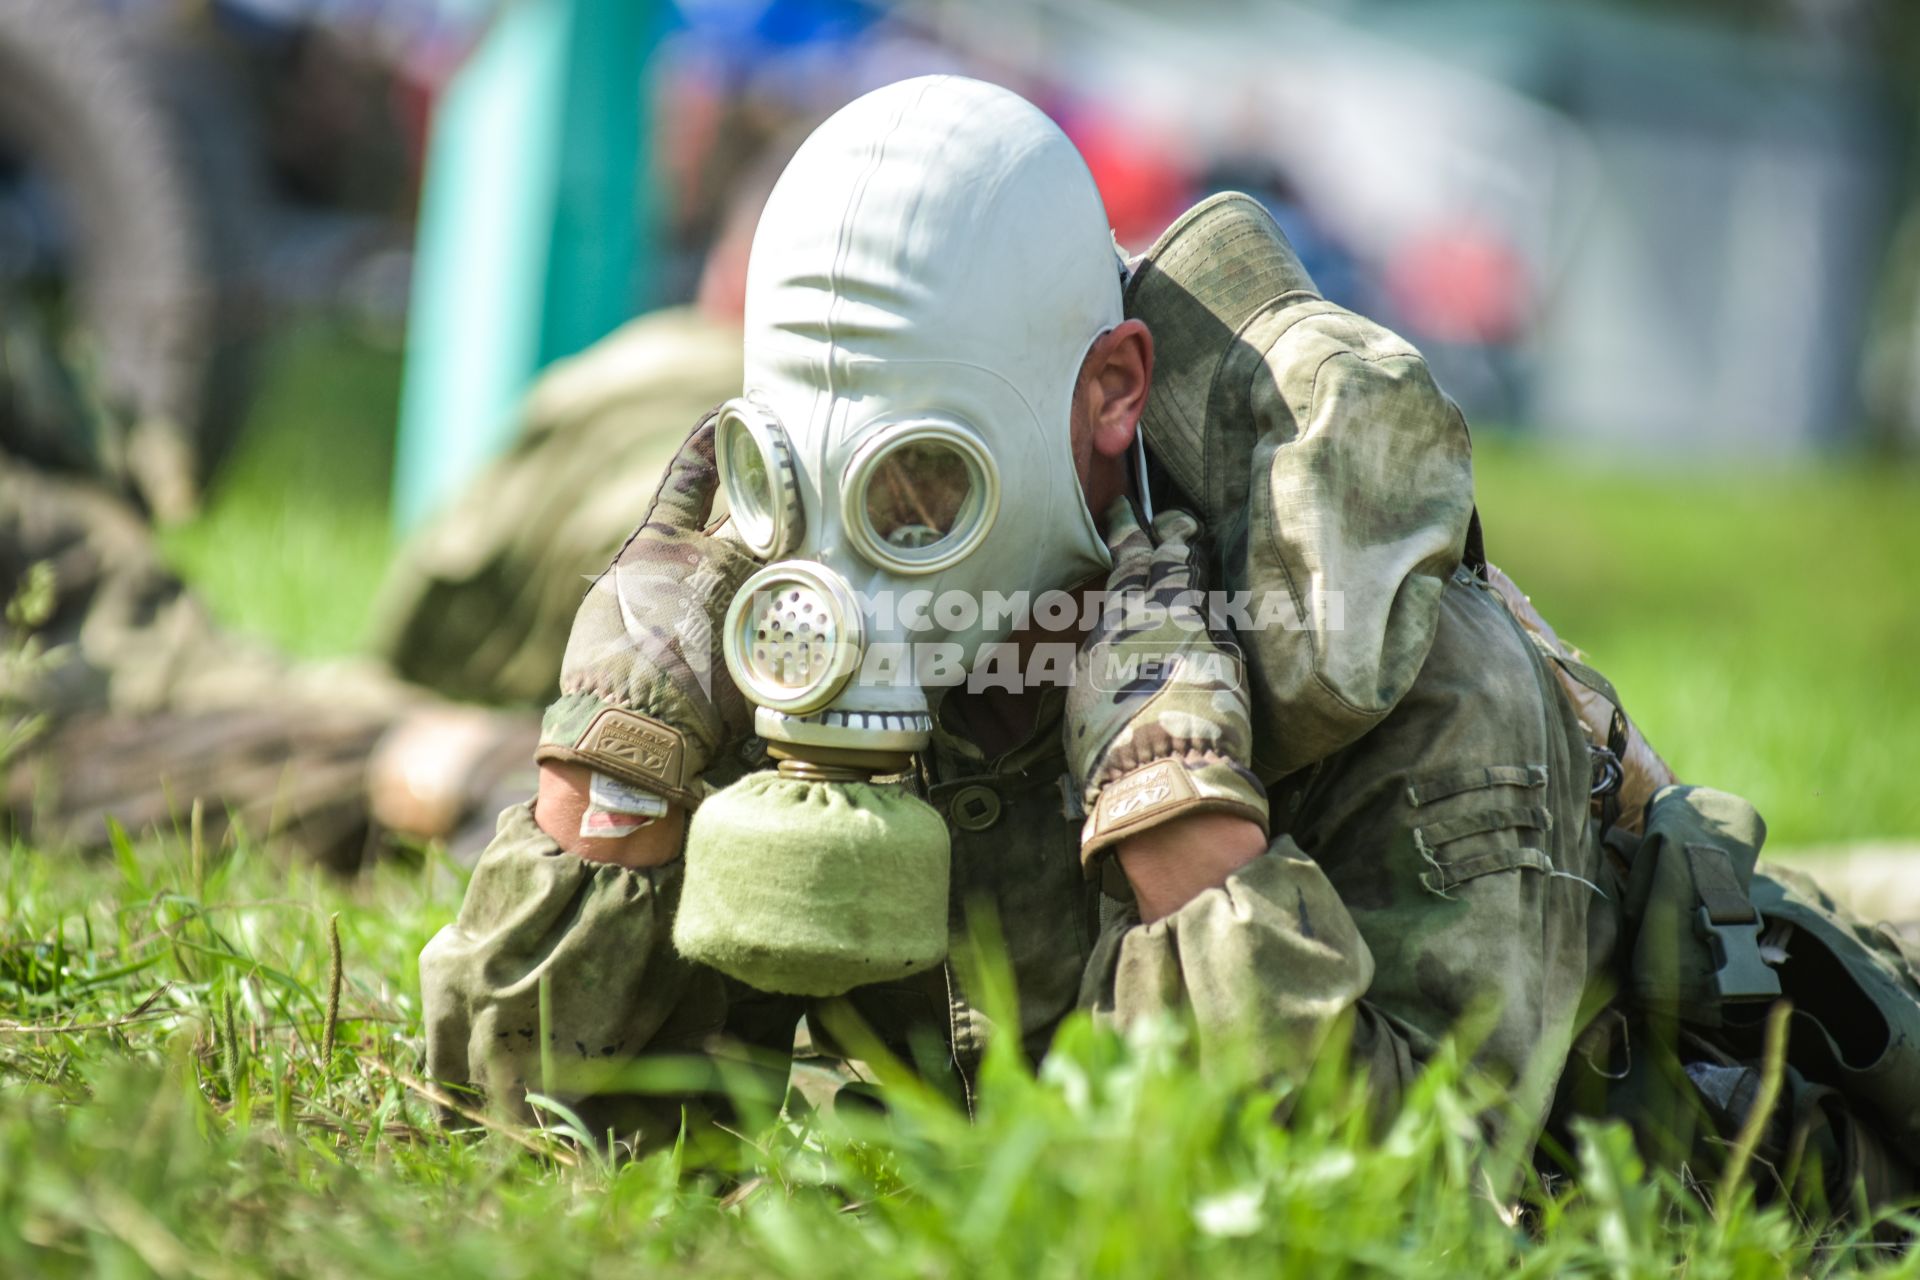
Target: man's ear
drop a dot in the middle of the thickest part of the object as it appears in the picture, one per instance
(1122, 375)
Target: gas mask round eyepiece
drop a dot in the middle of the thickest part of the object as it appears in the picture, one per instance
(793, 637)
(762, 485)
(920, 496)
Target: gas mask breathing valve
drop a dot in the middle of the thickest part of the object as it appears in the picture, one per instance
(793, 637)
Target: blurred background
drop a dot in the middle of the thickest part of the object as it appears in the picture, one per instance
(281, 273)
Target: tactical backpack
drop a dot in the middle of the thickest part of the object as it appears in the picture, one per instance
(1709, 941)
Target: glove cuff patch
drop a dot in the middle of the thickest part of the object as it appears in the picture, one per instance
(1139, 800)
(630, 746)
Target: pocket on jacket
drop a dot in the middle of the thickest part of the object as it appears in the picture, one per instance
(1478, 820)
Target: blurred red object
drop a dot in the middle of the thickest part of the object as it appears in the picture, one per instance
(1460, 282)
(1142, 182)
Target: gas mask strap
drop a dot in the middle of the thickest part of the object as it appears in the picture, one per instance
(1145, 505)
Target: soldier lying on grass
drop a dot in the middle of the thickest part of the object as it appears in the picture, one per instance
(1307, 767)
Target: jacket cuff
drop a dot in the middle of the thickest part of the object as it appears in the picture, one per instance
(1265, 964)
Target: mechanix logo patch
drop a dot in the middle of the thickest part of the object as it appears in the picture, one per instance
(1136, 800)
(1141, 795)
(632, 745)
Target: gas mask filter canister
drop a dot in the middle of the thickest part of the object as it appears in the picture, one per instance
(812, 878)
(925, 281)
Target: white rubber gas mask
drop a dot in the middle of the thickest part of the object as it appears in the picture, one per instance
(925, 282)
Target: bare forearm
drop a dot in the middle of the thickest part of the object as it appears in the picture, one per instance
(1173, 863)
(562, 801)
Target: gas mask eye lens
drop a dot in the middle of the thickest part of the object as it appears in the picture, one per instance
(749, 472)
(921, 496)
(763, 488)
(916, 494)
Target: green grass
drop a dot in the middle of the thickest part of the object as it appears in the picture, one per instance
(295, 534)
(137, 1136)
(1759, 624)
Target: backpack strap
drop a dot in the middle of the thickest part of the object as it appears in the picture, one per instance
(1608, 774)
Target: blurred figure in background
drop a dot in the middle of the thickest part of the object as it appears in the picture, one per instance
(1461, 290)
(1247, 163)
(478, 605)
(147, 704)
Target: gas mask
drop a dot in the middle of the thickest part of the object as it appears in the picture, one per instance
(925, 282)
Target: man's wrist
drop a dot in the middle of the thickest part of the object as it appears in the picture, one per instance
(1165, 792)
(565, 794)
(1171, 864)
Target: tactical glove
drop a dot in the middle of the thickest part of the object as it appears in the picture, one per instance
(644, 692)
(1158, 720)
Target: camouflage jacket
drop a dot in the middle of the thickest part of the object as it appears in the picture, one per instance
(1432, 852)
(1441, 864)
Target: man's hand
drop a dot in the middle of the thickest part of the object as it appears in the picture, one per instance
(1158, 724)
(645, 697)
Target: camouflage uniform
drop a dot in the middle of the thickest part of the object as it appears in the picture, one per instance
(1411, 889)
(148, 704)
(478, 604)
(1435, 857)
(1432, 854)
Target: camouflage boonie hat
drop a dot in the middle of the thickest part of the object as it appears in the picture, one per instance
(1215, 271)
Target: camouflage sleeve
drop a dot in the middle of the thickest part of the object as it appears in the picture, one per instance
(1437, 901)
(1438, 878)
(1357, 509)
(1270, 962)
(596, 936)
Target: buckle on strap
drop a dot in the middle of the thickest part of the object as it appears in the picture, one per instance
(1740, 973)
(1608, 775)
(1604, 793)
